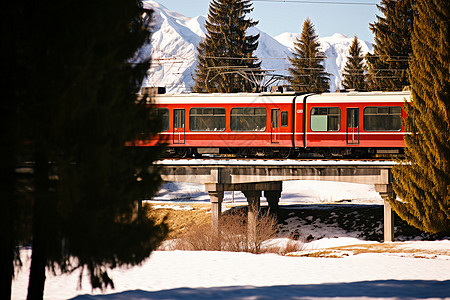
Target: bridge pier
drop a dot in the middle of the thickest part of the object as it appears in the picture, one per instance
(252, 191)
(254, 205)
(216, 198)
(273, 198)
(386, 192)
(388, 222)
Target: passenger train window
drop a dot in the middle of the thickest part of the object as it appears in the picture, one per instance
(284, 119)
(382, 118)
(207, 119)
(248, 119)
(325, 118)
(163, 114)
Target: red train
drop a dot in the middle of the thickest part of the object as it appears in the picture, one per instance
(281, 124)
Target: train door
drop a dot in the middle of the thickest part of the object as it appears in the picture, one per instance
(352, 126)
(178, 126)
(275, 125)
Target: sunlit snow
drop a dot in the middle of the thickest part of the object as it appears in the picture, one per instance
(407, 274)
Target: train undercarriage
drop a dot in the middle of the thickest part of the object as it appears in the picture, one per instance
(286, 152)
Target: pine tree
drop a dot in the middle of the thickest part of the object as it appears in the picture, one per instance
(423, 181)
(14, 209)
(72, 92)
(226, 63)
(388, 65)
(354, 70)
(8, 211)
(308, 73)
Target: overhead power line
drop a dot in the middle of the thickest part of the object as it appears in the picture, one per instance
(317, 2)
(182, 59)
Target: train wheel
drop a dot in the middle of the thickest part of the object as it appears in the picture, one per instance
(241, 152)
(196, 154)
(326, 152)
(269, 153)
(286, 153)
(183, 152)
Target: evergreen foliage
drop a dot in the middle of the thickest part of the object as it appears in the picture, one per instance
(307, 72)
(226, 63)
(423, 182)
(388, 65)
(354, 71)
(71, 106)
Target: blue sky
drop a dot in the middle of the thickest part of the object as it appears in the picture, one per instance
(288, 16)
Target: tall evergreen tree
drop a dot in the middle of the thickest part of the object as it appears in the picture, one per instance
(354, 70)
(388, 65)
(307, 71)
(71, 108)
(423, 181)
(226, 62)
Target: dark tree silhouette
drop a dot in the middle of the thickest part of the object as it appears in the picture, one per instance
(71, 186)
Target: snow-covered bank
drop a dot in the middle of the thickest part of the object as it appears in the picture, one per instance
(226, 275)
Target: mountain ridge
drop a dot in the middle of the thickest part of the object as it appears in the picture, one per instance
(175, 38)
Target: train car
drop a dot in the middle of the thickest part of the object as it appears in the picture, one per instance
(355, 123)
(234, 124)
(280, 124)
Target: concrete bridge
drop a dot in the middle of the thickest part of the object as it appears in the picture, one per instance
(252, 177)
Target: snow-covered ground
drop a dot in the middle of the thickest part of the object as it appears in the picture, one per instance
(227, 275)
(409, 270)
(294, 192)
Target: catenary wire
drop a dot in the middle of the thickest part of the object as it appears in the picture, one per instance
(318, 2)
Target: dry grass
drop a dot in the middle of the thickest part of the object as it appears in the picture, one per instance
(400, 249)
(392, 248)
(319, 253)
(191, 230)
(179, 221)
(291, 246)
(199, 237)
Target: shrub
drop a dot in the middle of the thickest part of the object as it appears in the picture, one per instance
(289, 245)
(235, 236)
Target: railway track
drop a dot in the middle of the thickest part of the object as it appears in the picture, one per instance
(218, 159)
(275, 162)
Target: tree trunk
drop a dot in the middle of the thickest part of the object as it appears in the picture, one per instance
(38, 258)
(37, 272)
(8, 208)
(6, 265)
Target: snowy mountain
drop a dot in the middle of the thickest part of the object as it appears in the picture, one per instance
(175, 39)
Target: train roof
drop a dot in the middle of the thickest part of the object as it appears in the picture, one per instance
(360, 97)
(287, 97)
(219, 98)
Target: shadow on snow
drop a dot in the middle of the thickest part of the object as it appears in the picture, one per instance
(401, 289)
